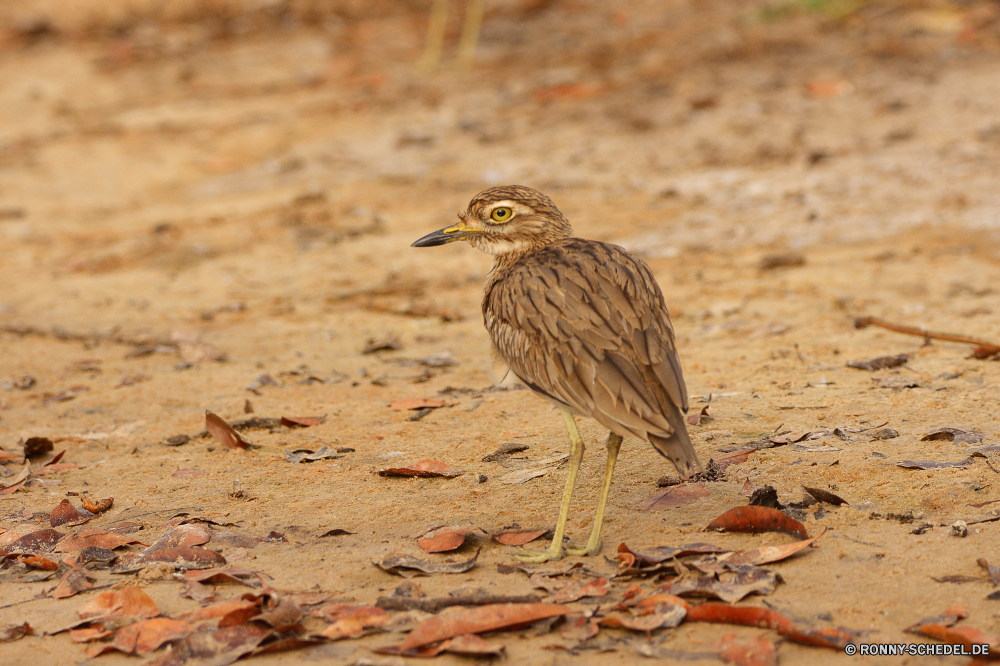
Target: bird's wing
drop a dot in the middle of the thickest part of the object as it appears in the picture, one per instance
(585, 324)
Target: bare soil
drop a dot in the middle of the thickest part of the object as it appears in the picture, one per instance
(197, 180)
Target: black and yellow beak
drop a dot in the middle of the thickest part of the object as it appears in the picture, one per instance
(447, 235)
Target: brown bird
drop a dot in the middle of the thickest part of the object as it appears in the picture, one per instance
(582, 323)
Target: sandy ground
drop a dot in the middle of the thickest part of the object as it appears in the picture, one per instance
(172, 186)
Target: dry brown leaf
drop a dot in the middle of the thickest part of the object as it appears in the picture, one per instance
(417, 403)
(131, 601)
(932, 464)
(673, 497)
(65, 513)
(826, 496)
(451, 623)
(518, 538)
(18, 480)
(443, 539)
(145, 636)
(766, 554)
(302, 421)
(423, 468)
(76, 580)
(222, 646)
(757, 519)
(88, 538)
(397, 563)
(13, 632)
(224, 433)
(40, 541)
(697, 417)
(353, 622)
(217, 610)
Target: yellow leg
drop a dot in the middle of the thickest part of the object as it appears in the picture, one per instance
(593, 546)
(435, 36)
(555, 550)
(474, 10)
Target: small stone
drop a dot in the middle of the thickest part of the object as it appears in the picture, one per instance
(959, 528)
(885, 433)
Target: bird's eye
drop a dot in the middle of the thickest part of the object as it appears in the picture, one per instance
(500, 214)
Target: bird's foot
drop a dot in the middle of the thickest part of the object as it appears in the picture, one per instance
(583, 550)
(551, 554)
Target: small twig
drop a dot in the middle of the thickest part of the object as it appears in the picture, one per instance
(865, 322)
(435, 605)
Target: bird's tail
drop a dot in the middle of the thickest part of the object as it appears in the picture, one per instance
(677, 447)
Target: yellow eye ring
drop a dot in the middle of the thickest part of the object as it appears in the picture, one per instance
(501, 214)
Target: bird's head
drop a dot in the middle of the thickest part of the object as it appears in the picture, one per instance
(500, 220)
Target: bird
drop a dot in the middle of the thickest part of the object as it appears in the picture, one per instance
(582, 323)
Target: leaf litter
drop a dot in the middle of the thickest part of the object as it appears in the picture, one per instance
(423, 468)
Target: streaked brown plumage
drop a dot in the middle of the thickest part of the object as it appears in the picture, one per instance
(581, 322)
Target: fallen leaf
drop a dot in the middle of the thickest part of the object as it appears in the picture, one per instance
(696, 418)
(66, 513)
(99, 506)
(229, 574)
(417, 403)
(756, 651)
(40, 541)
(749, 488)
(933, 464)
(752, 616)
(985, 351)
(302, 421)
(880, 362)
(950, 616)
(8, 455)
(968, 636)
(337, 531)
(443, 539)
(87, 538)
(518, 538)
(394, 564)
(597, 587)
(953, 435)
(222, 646)
(309, 455)
(130, 601)
(662, 616)
(757, 519)
(730, 583)
(13, 632)
(766, 554)
(183, 557)
(993, 571)
(145, 636)
(663, 553)
(355, 621)
(790, 437)
(826, 496)
(675, 496)
(224, 433)
(459, 621)
(38, 562)
(733, 458)
(18, 480)
(76, 580)
(281, 613)
(387, 343)
(216, 610)
(423, 468)
(471, 644)
(88, 634)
